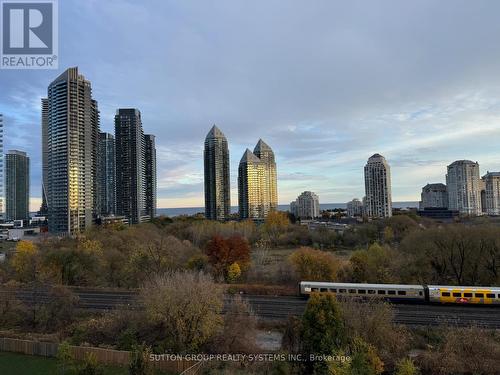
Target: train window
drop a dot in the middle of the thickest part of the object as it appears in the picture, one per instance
(342, 291)
(468, 295)
(361, 291)
(490, 295)
(419, 293)
(380, 291)
(314, 289)
(456, 294)
(371, 292)
(445, 294)
(324, 289)
(352, 291)
(391, 292)
(333, 290)
(401, 292)
(479, 295)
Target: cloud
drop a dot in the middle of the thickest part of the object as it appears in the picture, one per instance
(326, 84)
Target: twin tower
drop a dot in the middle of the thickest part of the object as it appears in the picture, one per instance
(257, 180)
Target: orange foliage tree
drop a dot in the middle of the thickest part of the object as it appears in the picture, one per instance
(223, 252)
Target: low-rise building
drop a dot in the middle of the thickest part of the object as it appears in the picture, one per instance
(355, 208)
(306, 206)
(434, 196)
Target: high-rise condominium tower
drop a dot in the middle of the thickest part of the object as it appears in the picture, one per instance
(70, 142)
(130, 166)
(106, 175)
(17, 185)
(266, 155)
(151, 181)
(464, 187)
(257, 185)
(378, 199)
(217, 187)
(45, 173)
(492, 193)
(1, 168)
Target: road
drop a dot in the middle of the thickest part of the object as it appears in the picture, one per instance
(281, 307)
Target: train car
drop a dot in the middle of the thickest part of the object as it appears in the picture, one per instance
(392, 292)
(464, 294)
(441, 294)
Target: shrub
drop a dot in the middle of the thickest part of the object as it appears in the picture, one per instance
(314, 265)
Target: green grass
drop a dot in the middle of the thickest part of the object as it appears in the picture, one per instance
(19, 364)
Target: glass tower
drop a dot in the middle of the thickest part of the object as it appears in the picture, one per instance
(106, 175)
(17, 185)
(151, 181)
(130, 166)
(217, 187)
(70, 142)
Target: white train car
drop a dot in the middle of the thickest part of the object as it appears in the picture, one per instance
(392, 292)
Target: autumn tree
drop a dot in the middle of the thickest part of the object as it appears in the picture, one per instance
(276, 223)
(186, 306)
(73, 265)
(26, 261)
(314, 265)
(233, 272)
(400, 226)
(374, 265)
(222, 253)
(160, 254)
(323, 331)
(406, 367)
(373, 322)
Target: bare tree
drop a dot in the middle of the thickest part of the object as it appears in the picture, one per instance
(187, 305)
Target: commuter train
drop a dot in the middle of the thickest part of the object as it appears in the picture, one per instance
(408, 293)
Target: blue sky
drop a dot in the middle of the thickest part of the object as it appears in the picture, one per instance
(325, 83)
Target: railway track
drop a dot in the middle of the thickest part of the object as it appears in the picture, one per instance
(281, 307)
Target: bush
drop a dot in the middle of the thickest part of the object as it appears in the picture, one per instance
(372, 321)
(238, 334)
(314, 265)
(463, 351)
(406, 367)
(140, 363)
(89, 366)
(187, 305)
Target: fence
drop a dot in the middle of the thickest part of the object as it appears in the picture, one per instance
(104, 356)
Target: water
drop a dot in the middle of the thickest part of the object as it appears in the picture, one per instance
(171, 212)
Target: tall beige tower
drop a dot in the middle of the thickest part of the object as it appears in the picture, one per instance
(464, 187)
(257, 182)
(378, 200)
(266, 156)
(492, 193)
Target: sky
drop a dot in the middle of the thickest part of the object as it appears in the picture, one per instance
(325, 83)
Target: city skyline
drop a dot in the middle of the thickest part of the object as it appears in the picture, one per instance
(326, 98)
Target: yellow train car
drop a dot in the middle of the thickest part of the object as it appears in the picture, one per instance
(464, 295)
